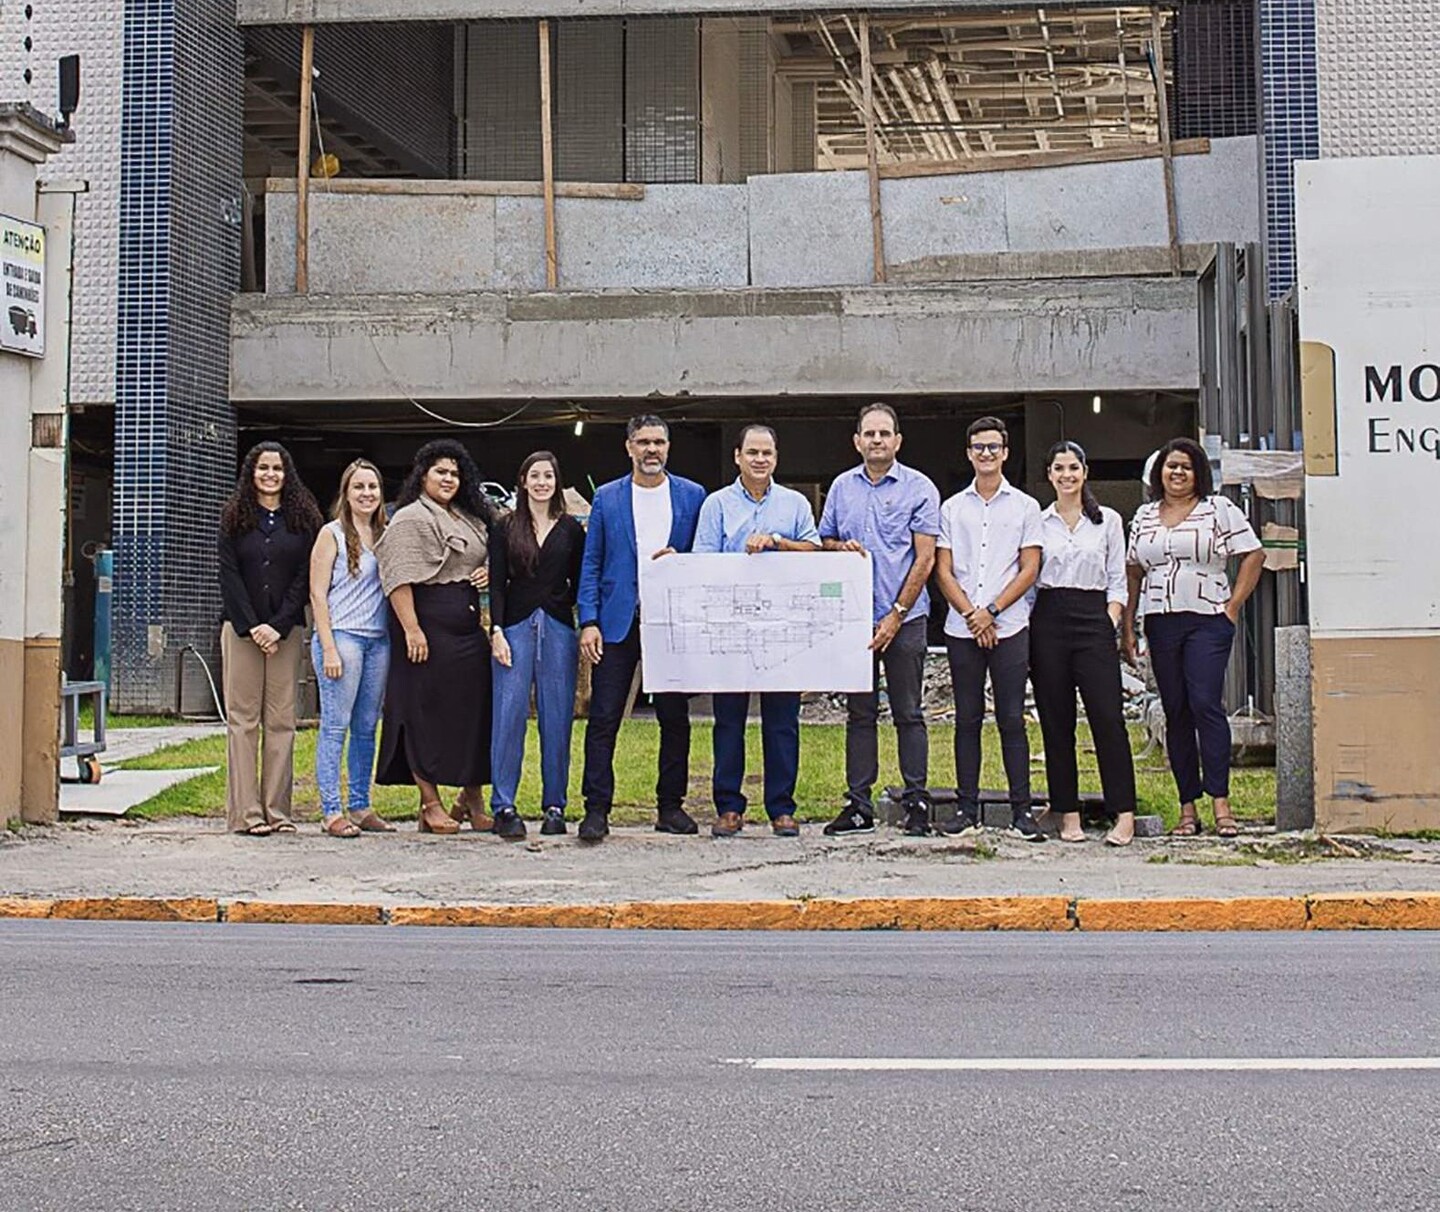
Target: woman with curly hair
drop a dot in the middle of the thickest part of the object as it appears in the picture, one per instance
(433, 561)
(266, 530)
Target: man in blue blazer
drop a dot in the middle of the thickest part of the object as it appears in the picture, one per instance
(642, 516)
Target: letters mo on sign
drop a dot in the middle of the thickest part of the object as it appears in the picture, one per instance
(1370, 358)
(22, 271)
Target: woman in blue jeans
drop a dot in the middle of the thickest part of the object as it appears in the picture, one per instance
(350, 648)
(1180, 544)
(534, 575)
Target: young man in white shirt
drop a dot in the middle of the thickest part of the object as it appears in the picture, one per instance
(987, 558)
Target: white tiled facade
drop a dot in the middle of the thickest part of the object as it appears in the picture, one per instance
(1379, 89)
(93, 29)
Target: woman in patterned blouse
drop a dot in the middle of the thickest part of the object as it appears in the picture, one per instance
(1180, 543)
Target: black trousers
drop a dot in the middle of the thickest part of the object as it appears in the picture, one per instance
(609, 688)
(1007, 663)
(1072, 648)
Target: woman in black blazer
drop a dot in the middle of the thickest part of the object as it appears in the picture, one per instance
(266, 531)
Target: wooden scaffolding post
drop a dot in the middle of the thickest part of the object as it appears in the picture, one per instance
(1167, 147)
(872, 166)
(302, 173)
(547, 160)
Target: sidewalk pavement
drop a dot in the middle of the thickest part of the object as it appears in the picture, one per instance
(379, 876)
(191, 869)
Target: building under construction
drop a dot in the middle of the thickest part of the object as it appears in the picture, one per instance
(354, 224)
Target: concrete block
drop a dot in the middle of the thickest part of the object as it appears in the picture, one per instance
(943, 216)
(810, 229)
(1149, 825)
(1294, 731)
(1086, 206)
(995, 816)
(679, 236)
(364, 244)
(1217, 196)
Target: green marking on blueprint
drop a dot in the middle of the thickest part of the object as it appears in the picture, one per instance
(832, 589)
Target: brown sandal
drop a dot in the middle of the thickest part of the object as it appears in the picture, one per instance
(1225, 826)
(434, 820)
(341, 825)
(480, 820)
(1188, 826)
(372, 822)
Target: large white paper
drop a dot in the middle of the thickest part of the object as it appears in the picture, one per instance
(777, 620)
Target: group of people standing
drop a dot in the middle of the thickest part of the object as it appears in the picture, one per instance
(1050, 597)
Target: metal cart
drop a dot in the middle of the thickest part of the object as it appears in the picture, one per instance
(71, 745)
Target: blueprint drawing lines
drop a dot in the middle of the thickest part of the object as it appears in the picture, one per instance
(773, 621)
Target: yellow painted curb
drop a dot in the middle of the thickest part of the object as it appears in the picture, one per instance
(302, 914)
(1375, 911)
(939, 913)
(708, 915)
(137, 909)
(25, 906)
(1237, 913)
(564, 917)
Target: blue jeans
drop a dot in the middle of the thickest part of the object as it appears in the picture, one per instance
(350, 703)
(779, 741)
(1189, 653)
(543, 653)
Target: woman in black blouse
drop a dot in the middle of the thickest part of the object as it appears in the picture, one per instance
(534, 573)
(266, 531)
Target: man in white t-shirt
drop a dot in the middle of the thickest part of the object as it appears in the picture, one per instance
(987, 558)
(642, 516)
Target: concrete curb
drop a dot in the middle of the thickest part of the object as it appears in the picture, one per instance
(1321, 911)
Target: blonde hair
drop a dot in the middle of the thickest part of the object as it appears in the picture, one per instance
(341, 512)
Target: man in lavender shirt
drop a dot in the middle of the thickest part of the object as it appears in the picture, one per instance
(891, 512)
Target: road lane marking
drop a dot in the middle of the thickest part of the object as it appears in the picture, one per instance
(1087, 1064)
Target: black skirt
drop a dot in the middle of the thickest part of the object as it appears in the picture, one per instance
(437, 714)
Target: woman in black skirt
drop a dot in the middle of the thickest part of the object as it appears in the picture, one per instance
(437, 699)
(1079, 596)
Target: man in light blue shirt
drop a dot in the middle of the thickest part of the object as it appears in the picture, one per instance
(891, 512)
(755, 515)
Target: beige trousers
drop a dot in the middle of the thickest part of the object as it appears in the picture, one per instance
(259, 695)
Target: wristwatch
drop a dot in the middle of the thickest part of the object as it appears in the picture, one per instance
(993, 610)
(776, 539)
(900, 609)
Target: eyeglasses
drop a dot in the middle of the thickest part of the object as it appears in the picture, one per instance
(987, 447)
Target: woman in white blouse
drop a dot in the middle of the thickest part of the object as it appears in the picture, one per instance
(1079, 598)
(1180, 543)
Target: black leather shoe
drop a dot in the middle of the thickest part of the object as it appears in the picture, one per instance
(675, 820)
(509, 825)
(595, 826)
(961, 824)
(917, 820)
(554, 822)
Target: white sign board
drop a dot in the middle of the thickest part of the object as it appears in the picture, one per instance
(22, 270)
(1368, 256)
(770, 621)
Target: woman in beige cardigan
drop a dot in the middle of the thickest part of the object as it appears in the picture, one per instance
(432, 557)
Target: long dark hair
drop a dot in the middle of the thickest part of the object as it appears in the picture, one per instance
(1199, 463)
(1089, 506)
(520, 539)
(343, 514)
(468, 497)
(297, 503)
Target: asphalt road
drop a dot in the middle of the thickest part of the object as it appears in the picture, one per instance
(158, 1067)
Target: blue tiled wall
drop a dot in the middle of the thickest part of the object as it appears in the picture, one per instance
(1291, 126)
(179, 261)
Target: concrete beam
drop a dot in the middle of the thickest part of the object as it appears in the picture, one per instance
(319, 12)
(1115, 334)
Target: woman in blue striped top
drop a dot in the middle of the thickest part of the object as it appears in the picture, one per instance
(350, 648)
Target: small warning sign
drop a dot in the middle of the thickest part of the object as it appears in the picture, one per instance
(22, 287)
